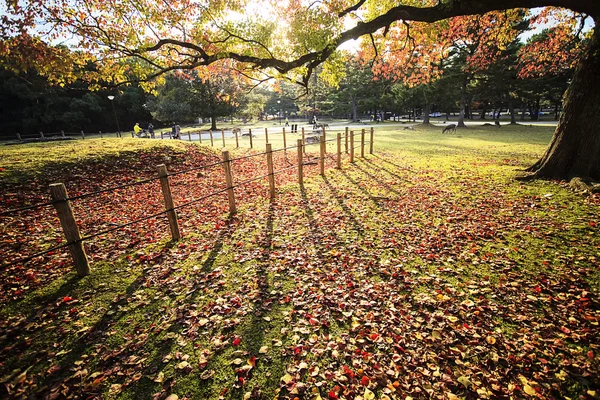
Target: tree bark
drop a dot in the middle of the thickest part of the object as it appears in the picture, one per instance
(426, 113)
(575, 148)
(511, 108)
(463, 102)
(213, 123)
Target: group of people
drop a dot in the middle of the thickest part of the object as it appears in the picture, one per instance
(138, 131)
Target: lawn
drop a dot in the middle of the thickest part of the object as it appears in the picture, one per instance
(424, 270)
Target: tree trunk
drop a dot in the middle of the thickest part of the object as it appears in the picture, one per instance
(575, 148)
(354, 109)
(426, 113)
(213, 123)
(463, 103)
(513, 115)
(483, 111)
(523, 112)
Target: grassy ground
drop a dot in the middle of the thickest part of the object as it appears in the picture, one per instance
(423, 270)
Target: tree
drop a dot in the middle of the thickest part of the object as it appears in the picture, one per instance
(189, 34)
(187, 96)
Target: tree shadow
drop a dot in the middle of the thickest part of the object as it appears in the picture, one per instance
(377, 179)
(355, 223)
(365, 192)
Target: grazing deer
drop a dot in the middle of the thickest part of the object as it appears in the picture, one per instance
(497, 123)
(236, 130)
(323, 126)
(450, 128)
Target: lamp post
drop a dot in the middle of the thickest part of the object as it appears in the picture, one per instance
(111, 98)
(279, 106)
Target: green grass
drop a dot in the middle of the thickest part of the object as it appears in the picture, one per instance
(425, 225)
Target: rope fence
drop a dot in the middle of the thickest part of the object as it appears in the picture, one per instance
(62, 202)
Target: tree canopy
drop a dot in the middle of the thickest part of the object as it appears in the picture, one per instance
(278, 37)
(140, 40)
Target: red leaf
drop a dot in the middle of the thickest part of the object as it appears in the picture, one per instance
(364, 380)
(237, 341)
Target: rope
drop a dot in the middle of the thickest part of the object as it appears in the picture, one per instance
(29, 258)
(250, 181)
(200, 199)
(285, 169)
(194, 169)
(285, 149)
(82, 196)
(15, 210)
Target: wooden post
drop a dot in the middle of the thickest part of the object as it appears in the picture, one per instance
(211, 138)
(284, 142)
(200, 136)
(189, 136)
(362, 144)
(303, 138)
(70, 228)
(82, 135)
(267, 135)
(270, 169)
(223, 136)
(229, 181)
(250, 133)
(324, 136)
(169, 206)
(62, 133)
(100, 132)
(300, 151)
(19, 137)
(161, 135)
(351, 146)
(322, 158)
(237, 143)
(371, 141)
(339, 150)
(346, 140)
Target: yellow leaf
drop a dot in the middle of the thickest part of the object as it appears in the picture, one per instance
(368, 394)
(287, 378)
(529, 390)
(464, 381)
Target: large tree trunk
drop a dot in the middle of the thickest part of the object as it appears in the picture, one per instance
(575, 147)
(426, 113)
(213, 123)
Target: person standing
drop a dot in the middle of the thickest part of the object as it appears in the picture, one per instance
(173, 131)
(151, 130)
(178, 131)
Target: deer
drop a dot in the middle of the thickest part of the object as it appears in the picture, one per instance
(497, 123)
(449, 128)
